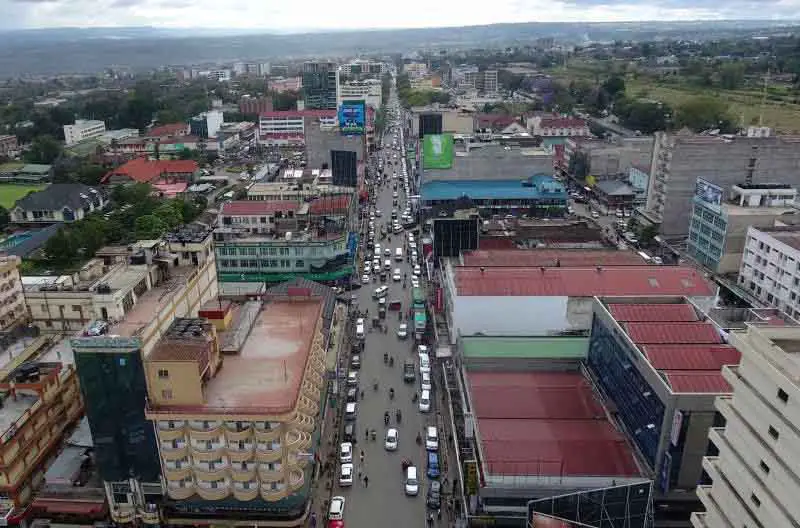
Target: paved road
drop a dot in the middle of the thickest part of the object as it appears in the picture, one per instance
(383, 502)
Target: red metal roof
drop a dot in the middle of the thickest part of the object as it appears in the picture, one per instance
(697, 382)
(672, 333)
(170, 129)
(496, 243)
(258, 207)
(143, 170)
(330, 204)
(551, 257)
(581, 282)
(691, 357)
(654, 313)
(545, 423)
(293, 114)
(562, 122)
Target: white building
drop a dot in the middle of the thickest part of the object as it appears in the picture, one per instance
(288, 127)
(415, 69)
(770, 268)
(756, 475)
(363, 67)
(369, 91)
(83, 129)
(219, 75)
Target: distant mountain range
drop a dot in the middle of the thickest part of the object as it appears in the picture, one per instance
(76, 50)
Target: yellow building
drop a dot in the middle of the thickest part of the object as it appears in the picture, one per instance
(239, 427)
(12, 298)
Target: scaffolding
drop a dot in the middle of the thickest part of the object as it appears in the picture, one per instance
(627, 506)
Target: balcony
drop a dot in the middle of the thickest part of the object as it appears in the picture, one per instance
(180, 490)
(174, 450)
(213, 490)
(150, 515)
(297, 462)
(123, 514)
(241, 455)
(245, 494)
(268, 435)
(296, 480)
(243, 471)
(238, 427)
(304, 422)
(269, 452)
(205, 430)
(177, 469)
(171, 434)
(272, 491)
(211, 470)
(169, 425)
(234, 435)
(205, 449)
(272, 473)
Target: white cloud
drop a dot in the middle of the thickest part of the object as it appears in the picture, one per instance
(358, 14)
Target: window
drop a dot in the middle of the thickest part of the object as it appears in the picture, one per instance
(163, 374)
(166, 394)
(755, 500)
(76, 307)
(783, 396)
(764, 467)
(299, 264)
(773, 433)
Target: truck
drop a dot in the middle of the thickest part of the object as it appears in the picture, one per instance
(420, 316)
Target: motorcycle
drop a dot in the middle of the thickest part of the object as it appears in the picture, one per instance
(391, 361)
(398, 416)
(419, 439)
(385, 358)
(391, 394)
(373, 434)
(375, 385)
(386, 418)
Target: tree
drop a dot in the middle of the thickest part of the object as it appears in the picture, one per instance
(285, 100)
(44, 149)
(149, 227)
(169, 214)
(60, 249)
(615, 86)
(643, 115)
(704, 113)
(731, 75)
(5, 218)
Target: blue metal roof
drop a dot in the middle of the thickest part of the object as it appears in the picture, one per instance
(539, 187)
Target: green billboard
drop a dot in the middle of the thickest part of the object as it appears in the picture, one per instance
(437, 151)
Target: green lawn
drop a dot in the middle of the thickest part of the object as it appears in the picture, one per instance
(11, 192)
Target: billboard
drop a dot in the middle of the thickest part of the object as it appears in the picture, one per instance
(626, 506)
(352, 118)
(451, 236)
(344, 168)
(708, 192)
(437, 151)
(430, 124)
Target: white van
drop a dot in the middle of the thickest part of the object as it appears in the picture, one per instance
(360, 331)
(381, 291)
(398, 254)
(425, 381)
(412, 484)
(424, 363)
(350, 411)
(387, 265)
(425, 401)
(431, 438)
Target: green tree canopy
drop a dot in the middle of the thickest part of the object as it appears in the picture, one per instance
(44, 149)
(149, 227)
(704, 113)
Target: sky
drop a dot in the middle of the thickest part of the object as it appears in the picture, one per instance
(365, 14)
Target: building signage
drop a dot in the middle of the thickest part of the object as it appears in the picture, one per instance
(708, 192)
(106, 342)
(471, 477)
(437, 151)
(677, 423)
(352, 118)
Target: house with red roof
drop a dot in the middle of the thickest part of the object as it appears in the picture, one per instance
(558, 126)
(169, 130)
(143, 170)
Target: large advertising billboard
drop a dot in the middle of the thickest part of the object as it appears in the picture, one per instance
(437, 151)
(708, 193)
(352, 118)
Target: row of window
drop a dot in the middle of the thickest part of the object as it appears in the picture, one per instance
(261, 264)
(253, 251)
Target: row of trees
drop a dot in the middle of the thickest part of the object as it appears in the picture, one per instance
(410, 97)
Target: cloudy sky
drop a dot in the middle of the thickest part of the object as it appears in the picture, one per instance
(326, 14)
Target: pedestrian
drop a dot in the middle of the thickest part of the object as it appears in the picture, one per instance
(366, 481)
(359, 473)
(362, 456)
(439, 514)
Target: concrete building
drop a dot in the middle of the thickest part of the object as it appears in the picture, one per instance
(453, 121)
(83, 129)
(289, 127)
(273, 241)
(557, 126)
(718, 227)
(320, 85)
(59, 202)
(228, 429)
(321, 140)
(13, 309)
(8, 145)
(639, 179)
(541, 301)
(288, 188)
(755, 466)
(282, 84)
(253, 106)
(680, 159)
(368, 91)
(606, 159)
(217, 75)
(486, 81)
(415, 69)
(360, 68)
(206, 125)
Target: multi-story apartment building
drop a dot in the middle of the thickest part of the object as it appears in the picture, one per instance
(320, 85)
(288, 127)
(229, 429)
(250, 106)
(8, 145)
(415, 69)
(679, 159)
(207, 124)
(368, 91)
(13, 310)
(282, 84)
(83, 129)
(611, 159)
(718, 225)
(770, 267)
(755, 469)
(267, 241)
(486, 81)
(363, 68)
(217, 75)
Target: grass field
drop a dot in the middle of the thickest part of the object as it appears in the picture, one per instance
(11, 192)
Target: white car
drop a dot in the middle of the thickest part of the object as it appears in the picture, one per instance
(378, 212)
(391, 440)
(365, 279)
(376, 263)
(336, 509)
(402, 331)
(417, 270)
(387, 252)
(397, 276)
(367, 267)
(414, 282)
(424, 363)
(345, 452)
(346, 475)
(431, 438)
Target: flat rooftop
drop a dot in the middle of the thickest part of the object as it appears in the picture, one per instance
(551, 258)
(486, 189)
(525, 347)
(493, 162)
(546, 424)
(580, 281)
(685, 350)
(269, 368)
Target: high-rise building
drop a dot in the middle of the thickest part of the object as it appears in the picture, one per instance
(320, 85)
(486, 81)
(755, 469)
(680, 159)
(83, 129)
(206, 125)
(12, 297)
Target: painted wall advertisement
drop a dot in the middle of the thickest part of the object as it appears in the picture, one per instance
(352, 118)
(437, 151)
(709, 193)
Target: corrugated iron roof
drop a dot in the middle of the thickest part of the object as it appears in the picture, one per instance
(672, 333)
(655, 313)
(551, 257)
(580, 282)
(691, 357)
(697, 382)
(258, 207)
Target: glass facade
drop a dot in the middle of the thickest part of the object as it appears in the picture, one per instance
(707, 229)
(613, 365)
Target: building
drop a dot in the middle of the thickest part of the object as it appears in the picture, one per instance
(360, 68)
(8, 145)
(253, 106)
(236, 135)
(282, 84)
(680, 159)
(639, 179)
(415, 69)
(41, 406)
(453, 121)
(234, 440)
(605, 159)
(83, 129)
(321, 141)
(274, 241)
(540, 301)
(110, 137)
(170, 130)
(614, 194)
(556, 126)
(320, 85)
(135, 290)
(288, 188)
(15, 172)
(160, 148)
(217, 75)
(13, 309)
(486, 81)
(251, 68)
(207, 124)
(753, 468)
(368, 91)
(142, 170)
(58, 202)
(288, 127)
(718, 226)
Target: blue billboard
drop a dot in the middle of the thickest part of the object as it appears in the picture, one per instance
(353, 118)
